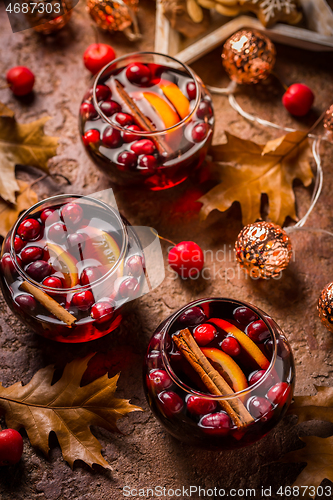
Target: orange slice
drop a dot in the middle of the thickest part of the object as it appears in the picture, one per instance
(176, 97)
(248, 345)
(229, 367)
(65, 263)
(164, 110)
(101, 246)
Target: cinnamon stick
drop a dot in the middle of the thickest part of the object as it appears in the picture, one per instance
(212, 379)
(142, 120)
(50, 304)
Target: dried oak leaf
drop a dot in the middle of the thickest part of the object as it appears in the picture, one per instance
(9, 212)
(251, 169)
(24, 144)
(5, 111)
(67, 409)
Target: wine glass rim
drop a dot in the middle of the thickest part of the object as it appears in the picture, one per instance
(156, 132)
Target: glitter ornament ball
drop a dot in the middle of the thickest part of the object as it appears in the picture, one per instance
(263, 249)
(115, 15)
(248, 56)
(325, 306)
(328, 123)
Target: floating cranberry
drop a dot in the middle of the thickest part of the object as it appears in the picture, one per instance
(91, 137)
(27, 302)
(76, 241)
(258, 331)
(279, 393)
(38, 270)
(7, 263)
(21, 80)
(282, 350)
(200, 131)
(204, 110)
(298, 99)
(138, 74)
(154, 360)
(155, 342)
(200, 406)
(30, 254)
(103, 93)
(57, 232)
(83, 300)
(72, 213)
(97, 55)
(11, 447)
(256, 376)
(159, 380)
(18, 244)
(218, 424)
(123, 119)
(147, 164)
(129, 136)
(231, 346)
(109, 108)
(143, 147)
(134, 265)
(191, 90)
(88, 111)
(244, 315)
(193, 316)
(260, 408)
(89, 275)
(127, 160)
(186, 259)
(29, 229)
(129, 288)
(50, 215)
(172, 403)
(53, 282)
(111, 137)
(102, 311)
(204, 334)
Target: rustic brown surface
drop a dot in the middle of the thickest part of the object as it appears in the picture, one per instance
(146, 455)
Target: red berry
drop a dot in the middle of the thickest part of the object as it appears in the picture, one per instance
(200, 406)
(89, 275)
(216, 424)
(18, 244)
(57, 232)
(143, 147)
(38, 270)
(111, 137)
(72, 213)
(191, 90)
(154, 360)
(26, 302)
(127, 160)
(138, 73)
(103, 92)
(159, 380)
(258, 331)
(52, 282)
(11, 447)
(76, 241)
(260, 408)
(147, 164)
(91, 137)
(129, 288)
(279, 393)
(123, 119)
(155, 342)
(97, 55)
(50, 215)
(231, 346)
(29, 229)
(204, 334)
(256, 376)
(298, 99)
(244, 315)
(83, 300)
(172, 403)
(88, 111)
(186, 259)
(109, 108)
(193, 316)
(135, 265)
(204, 110)
(30, 254)
(21, 80)
(200, 131)
(129, 136)
(7, 263)
(102, 311)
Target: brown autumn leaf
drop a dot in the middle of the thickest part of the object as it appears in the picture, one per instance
(247, 170)
(24, 144)
(9, 212)
(5, 111)
(67, 409)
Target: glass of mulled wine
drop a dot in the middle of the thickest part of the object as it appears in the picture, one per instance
(148, 120)
(219, 374)
(68, 265)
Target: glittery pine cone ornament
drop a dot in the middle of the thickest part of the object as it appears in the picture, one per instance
(116, 15)
(328, 123)
(50, 16)
(263, 249)
(248, 56)
(325, 306)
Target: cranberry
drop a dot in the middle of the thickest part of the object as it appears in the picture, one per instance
(138, 74)
(283, 351)
(88, 111)
(134, 265)
(57, 232)
(103, 92)
(76, 241)
(89, 275)
(231, 346)
(193, 316)
(200, 131)
(123, 119)
(127, 160)
(298, 99)
(216, 424)
(256, 376)
(7, 263)
(97, 55)
(129, 288)
(72, 213)
(244, 315)
(111, 137)
(279, 393)
(258, 331)
(30, 254)
(147, 164)
(200, 406)
(204, 334)
(11, 447)
(129, 136)
(109, 108)
(172, 403)
(204, 110)
(102, 311)
(38, 270)
(53, 282)
(29, 229)
(18, 244)
(159, 380)
(83, 300)
(260, 408)
(91, 137)
(21, 80)
(143, 147)
(154, 360)
(191, 90)
(27, 302)
(50, 215)
(186, 259)
(155, 342)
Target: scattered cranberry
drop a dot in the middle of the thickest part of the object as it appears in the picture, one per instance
(21, 80)
(88, 111)
(50, 215)
(27, 302)
(57, 232)
(200, 131)
(279, 393)
(143, 147)
(30, 254)
(138, 74)
(123, 119)
(83, 300)
(89, 275)
(258, 331)
(204, 334)
(147, 164)
(18, 244)
(11, 447)
(127, 160)
(38, 270)
(29, 229)
(231, 346)
(111, 137)
(72, 213)
(172, 403)
(298, 99)
(244, 315)
(154, 360)
(186, 259)
(191, 90)
(91, 137)
(200, 406)
(129, 136)
(193, 316)
(134, 265)
(109, 108)
(260, 408)
(129, 288)
(256, 376)
(204, 110)
(102, 311)
(160, 380)
(97, 55)
(216, 424)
